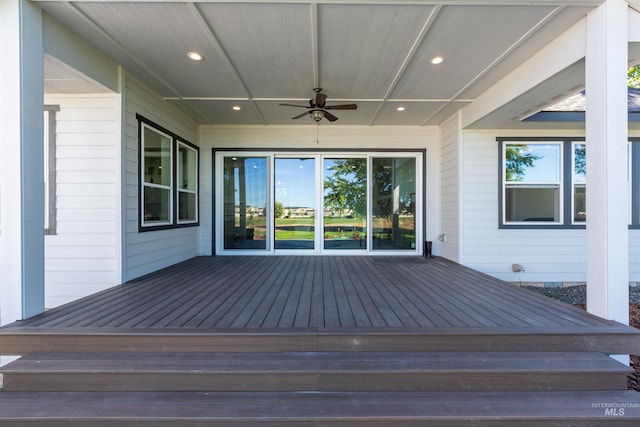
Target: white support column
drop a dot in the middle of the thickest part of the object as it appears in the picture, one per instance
(21, 161)
(607, 186)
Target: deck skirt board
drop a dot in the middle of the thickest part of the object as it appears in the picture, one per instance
(609, 340)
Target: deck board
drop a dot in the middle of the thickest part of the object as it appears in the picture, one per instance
(467, 296)
(360, 316)
(317, 296)
(315, 292)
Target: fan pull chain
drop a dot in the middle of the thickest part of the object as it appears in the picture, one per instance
(317, 131)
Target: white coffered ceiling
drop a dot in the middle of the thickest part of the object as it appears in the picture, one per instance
(377, 54)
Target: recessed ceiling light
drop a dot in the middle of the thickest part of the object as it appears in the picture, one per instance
(195, 56)
(236, 108)
(437, 60)
(400, 108)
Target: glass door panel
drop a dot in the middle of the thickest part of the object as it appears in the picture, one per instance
(318, 203)
(245, 202)
(345, 203)
(393, 199)
(294, 207)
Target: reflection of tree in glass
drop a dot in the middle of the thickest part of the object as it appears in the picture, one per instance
(382, 179)
(634, 77)
(278, 209)
(345, 188)
(394, 173)
(580, 159)
(517, 159)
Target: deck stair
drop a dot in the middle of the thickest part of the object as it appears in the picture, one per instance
(317, 388)
(314, 371)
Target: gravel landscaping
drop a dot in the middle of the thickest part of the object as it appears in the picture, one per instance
(576, 295)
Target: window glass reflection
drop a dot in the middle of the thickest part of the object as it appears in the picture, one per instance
(393, 203)
(345, 203)
(294, 208)
(532, 182)
(245, 202)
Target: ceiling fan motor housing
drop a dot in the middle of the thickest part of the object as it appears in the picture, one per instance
(317, 107)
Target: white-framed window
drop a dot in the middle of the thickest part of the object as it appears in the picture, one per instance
(187, 173)
(157, 179)
(168, 178)
(532, 177)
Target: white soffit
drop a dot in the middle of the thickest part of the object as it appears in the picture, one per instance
(59, 78)
(374, 53)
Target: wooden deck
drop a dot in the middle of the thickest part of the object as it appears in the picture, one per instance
(315, 292)
(320, 303)
(308, 341)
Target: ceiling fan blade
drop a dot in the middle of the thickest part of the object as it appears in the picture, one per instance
(330, 116)
(294, 105)
(321, 98)
(342, 107)
(301, 115)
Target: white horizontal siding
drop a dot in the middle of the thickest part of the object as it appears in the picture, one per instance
(83, 256)
(89, 201)
(554, 255)
(450, 189)
(433, 188)
(634, 244)
(206, 200)
(60, 291)
(152, 250)
(330, 137)
(340, 137)
(88, 265)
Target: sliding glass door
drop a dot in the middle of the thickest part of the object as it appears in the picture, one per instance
(245, 203)
(294, 209)
(319, 203)
(393, 197)
(345, 203)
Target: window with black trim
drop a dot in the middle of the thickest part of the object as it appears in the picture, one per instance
(168, 178)
(542, 182)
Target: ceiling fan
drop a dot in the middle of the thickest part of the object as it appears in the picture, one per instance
(318, 109)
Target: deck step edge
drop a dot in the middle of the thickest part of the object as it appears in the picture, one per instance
(328, 408)
(314, 372)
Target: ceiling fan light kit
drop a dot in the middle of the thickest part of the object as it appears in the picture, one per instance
(317, 115)
(317, 108)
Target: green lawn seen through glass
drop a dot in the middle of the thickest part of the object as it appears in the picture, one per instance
(347, 228)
